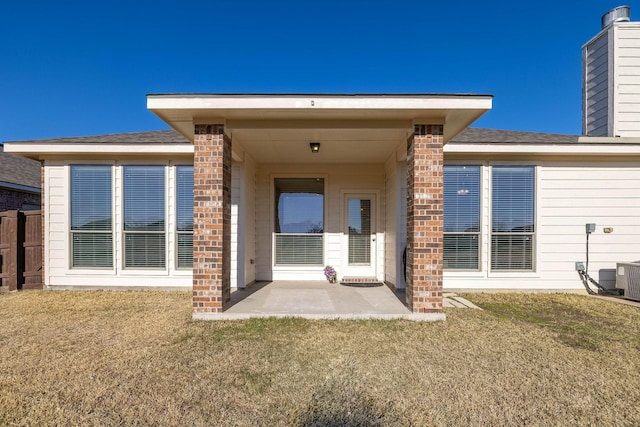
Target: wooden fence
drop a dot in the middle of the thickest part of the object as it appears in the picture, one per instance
(20, 250)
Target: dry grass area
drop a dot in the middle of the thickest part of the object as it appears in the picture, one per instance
(134, 358)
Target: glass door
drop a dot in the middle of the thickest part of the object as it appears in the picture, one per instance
(360, 235)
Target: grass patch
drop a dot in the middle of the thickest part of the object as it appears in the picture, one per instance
(137, 358)
(574, 320)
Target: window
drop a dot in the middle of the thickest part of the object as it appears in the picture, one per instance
(91, 217)
(512, 217)
(461, 217)
(359, 219)
(144, 223)
(184, 216)
(299, 221)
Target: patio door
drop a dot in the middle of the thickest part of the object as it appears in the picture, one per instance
(360, 235)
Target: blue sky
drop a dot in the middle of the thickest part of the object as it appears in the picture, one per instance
(71, 68)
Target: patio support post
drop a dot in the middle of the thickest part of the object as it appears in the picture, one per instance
(425, 218)
(212, 220)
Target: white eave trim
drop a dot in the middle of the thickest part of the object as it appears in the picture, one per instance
(36, 150)
(317, 102)
(577, 149)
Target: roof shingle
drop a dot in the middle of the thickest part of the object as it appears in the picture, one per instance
(19, 170)
(486, 136)
(152, 137)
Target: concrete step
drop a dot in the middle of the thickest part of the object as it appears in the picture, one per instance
(361, 281)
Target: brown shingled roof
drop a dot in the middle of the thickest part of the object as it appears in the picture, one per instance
(152, 137)
(22, 171)
(485, 136)
(19, 170)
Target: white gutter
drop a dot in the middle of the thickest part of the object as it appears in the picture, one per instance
(33, 150)
(591, 149)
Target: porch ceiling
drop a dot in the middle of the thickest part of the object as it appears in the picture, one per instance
(350, 128)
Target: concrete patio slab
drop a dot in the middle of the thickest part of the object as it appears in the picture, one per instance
(316, 300)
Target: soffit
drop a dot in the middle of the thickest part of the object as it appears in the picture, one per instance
(350, 128)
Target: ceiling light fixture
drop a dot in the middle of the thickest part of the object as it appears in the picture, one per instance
(315, 147)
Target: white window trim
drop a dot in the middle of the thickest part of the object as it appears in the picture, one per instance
(481, 223)
(95, 271)
(172, 235)
(150, 271)
(516, 274)
(117, 206)
(378, 249)
(272, 219)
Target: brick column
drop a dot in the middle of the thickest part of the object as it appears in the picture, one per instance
(212, 219)
(425, 219)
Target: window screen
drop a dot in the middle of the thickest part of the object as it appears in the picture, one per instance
(512, 217)
(144, 223)
(91, 216)
(461, 217)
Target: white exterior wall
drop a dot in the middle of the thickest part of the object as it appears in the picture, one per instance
(250, 220)
(391, 215)
(611, 82)
(626, 73)
(595, 84)
(338, 180)
(237, 232)
(395, 220)
(568, 195)
(57, 264)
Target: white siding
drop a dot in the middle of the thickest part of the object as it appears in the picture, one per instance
(611, 82)
(243, 226)
(56, 213)
(396, 221)
(627, 79)
(391, 215)
(569, 195)
(596, 86)
(263, 225)
(250, 220)
(402, 222)
(237, 178)
(338, 179)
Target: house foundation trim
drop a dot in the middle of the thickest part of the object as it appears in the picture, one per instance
(425, 219)
(212, 219)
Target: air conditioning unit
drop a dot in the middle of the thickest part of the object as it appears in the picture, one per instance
(628, 279)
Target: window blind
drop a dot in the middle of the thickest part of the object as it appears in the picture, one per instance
(144, 213)
(299, 249)
(461, 217)
(91, 216)
(359, 231)
(184, 216)
(512, 217)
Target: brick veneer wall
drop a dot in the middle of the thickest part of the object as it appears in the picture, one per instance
(11, 199)
(425, 219)
(212, 219)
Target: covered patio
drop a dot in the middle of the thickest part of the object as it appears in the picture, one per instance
(378, 159)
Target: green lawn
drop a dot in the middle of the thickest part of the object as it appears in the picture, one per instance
(137, 358)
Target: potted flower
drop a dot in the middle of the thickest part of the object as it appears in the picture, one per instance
(331, 274)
